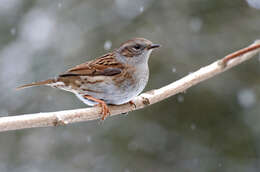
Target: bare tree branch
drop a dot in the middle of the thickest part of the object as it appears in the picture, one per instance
(145, 99)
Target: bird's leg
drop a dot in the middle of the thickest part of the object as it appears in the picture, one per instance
(105, 111)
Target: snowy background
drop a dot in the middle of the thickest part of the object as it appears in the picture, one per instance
(214, 126)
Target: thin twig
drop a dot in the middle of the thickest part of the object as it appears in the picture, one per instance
(239, 53)
(145, 99)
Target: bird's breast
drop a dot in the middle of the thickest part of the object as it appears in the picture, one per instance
(128, 85)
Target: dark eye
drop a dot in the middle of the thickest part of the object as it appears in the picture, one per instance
(137, 47)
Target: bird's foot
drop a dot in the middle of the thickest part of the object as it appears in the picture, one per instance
(104, 108)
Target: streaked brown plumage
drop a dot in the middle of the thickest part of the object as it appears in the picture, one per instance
(114, 78)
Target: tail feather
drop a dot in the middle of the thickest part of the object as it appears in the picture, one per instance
(49, 81)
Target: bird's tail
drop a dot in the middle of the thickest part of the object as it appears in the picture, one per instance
(46, 82)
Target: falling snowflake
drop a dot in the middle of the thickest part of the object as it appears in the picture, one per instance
(107, 45)
(180, 98)
(246, 98)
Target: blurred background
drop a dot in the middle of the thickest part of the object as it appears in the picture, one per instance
(214, 126)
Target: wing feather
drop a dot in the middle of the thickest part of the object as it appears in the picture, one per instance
(106, 65)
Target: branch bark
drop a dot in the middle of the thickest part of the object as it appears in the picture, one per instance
(143, 100)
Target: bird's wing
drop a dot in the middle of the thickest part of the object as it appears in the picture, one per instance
(106, 65)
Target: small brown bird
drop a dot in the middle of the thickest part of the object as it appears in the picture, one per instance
(114, 78)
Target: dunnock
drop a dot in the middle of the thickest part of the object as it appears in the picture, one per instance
(114, 78)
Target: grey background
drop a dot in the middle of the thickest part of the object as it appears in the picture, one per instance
(214, 126)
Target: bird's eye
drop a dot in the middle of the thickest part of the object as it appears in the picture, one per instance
(137, 47)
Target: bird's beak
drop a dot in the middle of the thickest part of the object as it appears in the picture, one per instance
(152, 46)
